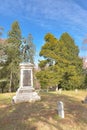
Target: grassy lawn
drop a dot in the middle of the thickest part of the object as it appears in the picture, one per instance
(43, 115)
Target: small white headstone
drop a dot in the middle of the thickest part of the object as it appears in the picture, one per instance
(56, 89)
(76, 90)
(60, 90)
(61, 109)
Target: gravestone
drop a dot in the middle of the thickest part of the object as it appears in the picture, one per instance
(85, 100)
(26, 91)
(76, 90)
(60, 90)
(60, 109)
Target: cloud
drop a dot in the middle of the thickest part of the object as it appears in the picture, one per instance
(47, 13)
(55, 15)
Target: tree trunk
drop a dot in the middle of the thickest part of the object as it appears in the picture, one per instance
(10, 86)
(2, 89)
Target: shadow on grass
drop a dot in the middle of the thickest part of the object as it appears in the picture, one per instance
(41, 115)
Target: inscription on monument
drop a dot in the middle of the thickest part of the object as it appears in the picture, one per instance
(26, 78)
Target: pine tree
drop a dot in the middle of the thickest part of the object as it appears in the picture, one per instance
(62, 65)
(13, 55)
(72, 77)
(50, 74)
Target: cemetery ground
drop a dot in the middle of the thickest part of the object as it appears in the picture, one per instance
(43, 115)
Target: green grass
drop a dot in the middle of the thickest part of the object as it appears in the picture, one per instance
(5, 98)
(43, 115)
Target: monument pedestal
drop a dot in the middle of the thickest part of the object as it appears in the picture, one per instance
(26, 92)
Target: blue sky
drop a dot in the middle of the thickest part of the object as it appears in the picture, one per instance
(39, 17)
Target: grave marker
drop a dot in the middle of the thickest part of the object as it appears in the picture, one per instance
(61, 109)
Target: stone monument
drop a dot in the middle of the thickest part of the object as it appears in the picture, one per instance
(26, 91)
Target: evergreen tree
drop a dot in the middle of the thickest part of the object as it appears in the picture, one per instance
(62, 65)
(13, 55)
(3, 57)
(72, 77)
(50, 74)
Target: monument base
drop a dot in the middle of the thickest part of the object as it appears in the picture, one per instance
(26, 94)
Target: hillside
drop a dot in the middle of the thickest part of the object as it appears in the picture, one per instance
(42, 115)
